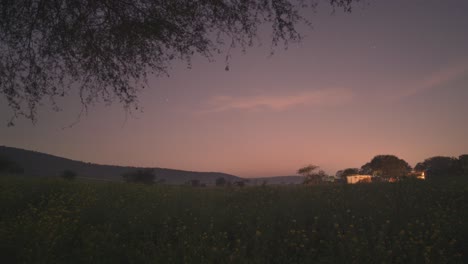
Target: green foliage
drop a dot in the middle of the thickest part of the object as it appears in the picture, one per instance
(68, 175)
(51, 221)
(145, 176)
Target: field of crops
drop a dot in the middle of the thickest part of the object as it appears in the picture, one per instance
(56, 221)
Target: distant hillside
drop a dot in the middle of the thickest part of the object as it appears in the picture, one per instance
(41, 164)
(277, 180)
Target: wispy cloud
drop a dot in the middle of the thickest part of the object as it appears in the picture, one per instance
(278, 102)
(436, 79)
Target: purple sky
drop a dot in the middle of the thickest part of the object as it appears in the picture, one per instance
(389, 78)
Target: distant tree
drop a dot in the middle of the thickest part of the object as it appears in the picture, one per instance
(387, 167)
(311, 176)
(106, 48)
(339, 174)
(145, 176)
(420, 167)
(68, 175)
(366, 169)
(9, 166)
(439, 167)
(220, 181)
(342, 174)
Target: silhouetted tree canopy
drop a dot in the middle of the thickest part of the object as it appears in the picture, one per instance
(105, 49)
(463, 161)
(386, 166)
(439, 166)
(311, 175)
(342, 174)
(420, 167)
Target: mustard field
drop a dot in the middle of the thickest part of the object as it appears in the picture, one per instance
(58, 221)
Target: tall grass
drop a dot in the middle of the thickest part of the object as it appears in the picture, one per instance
(55, 221)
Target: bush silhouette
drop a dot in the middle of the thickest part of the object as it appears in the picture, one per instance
(145, 176)
(220, 181)
(68, 175)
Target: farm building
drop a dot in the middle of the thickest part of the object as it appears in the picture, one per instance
(358, 178)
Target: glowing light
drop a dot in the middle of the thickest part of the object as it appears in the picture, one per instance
(422, 176)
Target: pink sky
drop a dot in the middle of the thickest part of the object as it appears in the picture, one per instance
(390, 78)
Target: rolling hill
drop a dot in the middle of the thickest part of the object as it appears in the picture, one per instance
(41, 164)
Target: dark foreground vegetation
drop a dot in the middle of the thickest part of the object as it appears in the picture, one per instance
(59, 221)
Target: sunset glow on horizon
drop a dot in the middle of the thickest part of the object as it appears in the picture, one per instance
(389, 78)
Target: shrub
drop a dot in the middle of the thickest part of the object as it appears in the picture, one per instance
(68, 175)
(145, 176)
(220, 181)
